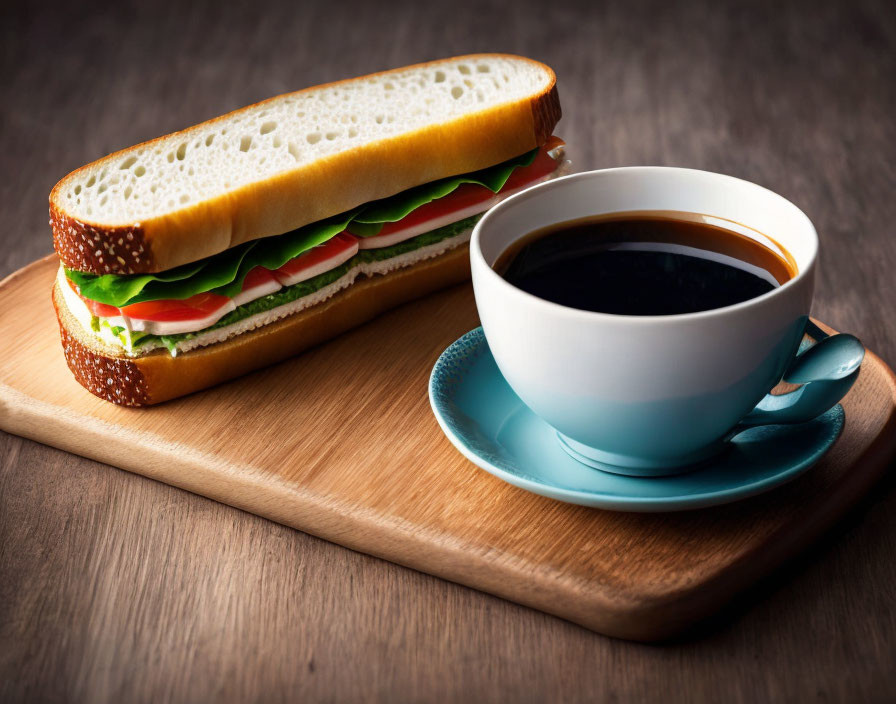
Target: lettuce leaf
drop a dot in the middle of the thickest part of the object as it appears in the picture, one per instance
(396, 207)
(225, 272)
(274, 252)
(309, 286)
(124, 288)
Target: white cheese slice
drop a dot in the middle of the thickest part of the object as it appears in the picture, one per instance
(317, 269)
(248, 295)
(175, 327)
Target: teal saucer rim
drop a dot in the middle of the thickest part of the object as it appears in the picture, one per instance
(457, 359)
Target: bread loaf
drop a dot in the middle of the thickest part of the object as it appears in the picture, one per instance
(297, 158)
(267, 170)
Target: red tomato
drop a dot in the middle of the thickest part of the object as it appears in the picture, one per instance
(197, 307)
(542, 165)
(328, 250)
(257, 277)
(470, 194)
(462, 197)
(100, 310)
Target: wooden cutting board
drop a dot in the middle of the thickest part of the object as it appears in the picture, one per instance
(341, 443)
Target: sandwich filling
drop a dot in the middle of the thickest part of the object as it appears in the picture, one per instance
(255, 284)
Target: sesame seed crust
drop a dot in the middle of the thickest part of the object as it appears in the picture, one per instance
(115, 379)
(99, 250)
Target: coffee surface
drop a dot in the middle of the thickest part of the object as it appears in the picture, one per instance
(643, 264)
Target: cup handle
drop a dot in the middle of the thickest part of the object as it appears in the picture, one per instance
(826, 371)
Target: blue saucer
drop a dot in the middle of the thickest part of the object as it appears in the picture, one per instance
(488, 423)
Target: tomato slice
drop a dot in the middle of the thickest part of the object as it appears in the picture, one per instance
(197, 307)
(470, 194)
(258, 282)
(101, 310)
(466, 200)
(318, 260)
(464, 196)
(541, 166)
(258, 277)
(331, 249)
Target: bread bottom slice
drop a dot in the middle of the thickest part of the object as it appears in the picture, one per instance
(156, 377)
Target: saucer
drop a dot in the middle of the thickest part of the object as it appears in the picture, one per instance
(494, 429)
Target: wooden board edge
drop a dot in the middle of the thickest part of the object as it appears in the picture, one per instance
(677, 613)
(346, 525)
(351, 527)
(26, 270)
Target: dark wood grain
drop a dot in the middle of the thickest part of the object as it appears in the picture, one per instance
(114, 587)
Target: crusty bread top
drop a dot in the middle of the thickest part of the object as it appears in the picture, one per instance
(297, 158)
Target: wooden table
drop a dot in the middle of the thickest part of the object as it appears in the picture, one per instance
(117, 588)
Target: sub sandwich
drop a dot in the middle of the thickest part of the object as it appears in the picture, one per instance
(202, 255)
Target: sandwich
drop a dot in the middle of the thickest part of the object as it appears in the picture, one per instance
(205, 254)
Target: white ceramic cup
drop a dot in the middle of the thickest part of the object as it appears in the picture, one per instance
(643, 395)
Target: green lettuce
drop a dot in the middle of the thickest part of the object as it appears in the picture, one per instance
(370, 220)
(427, 238)
(225, 272)
(305, 288)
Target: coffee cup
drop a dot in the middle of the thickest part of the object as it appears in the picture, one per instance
(655, 395)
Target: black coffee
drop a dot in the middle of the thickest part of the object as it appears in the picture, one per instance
(643, 264)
